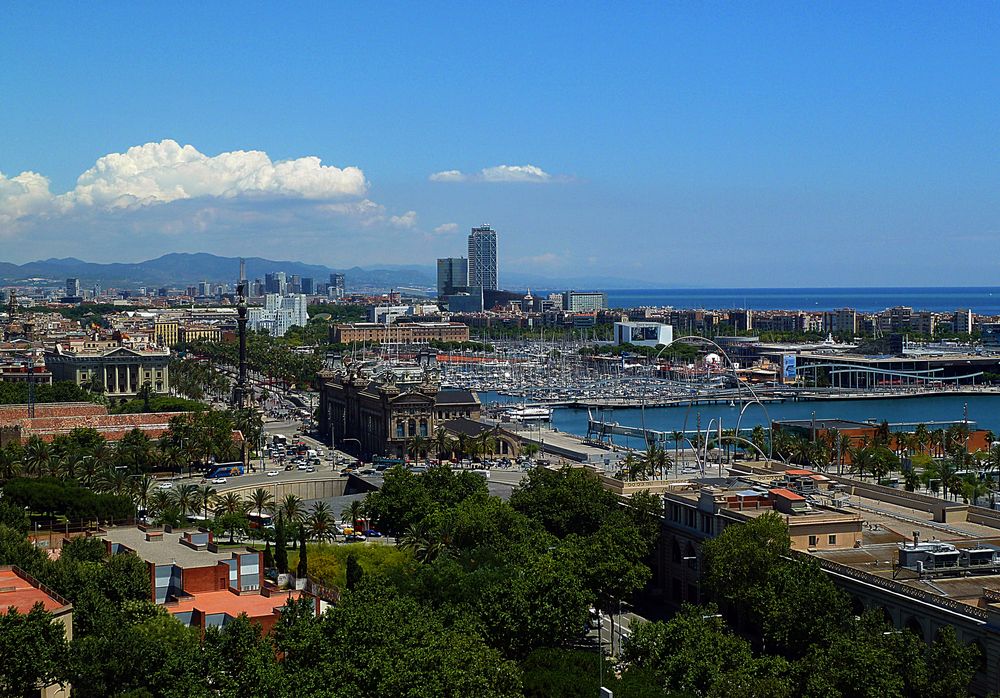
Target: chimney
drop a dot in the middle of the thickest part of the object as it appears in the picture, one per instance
(916, 538)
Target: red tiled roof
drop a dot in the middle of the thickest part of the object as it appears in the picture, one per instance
(787, 494)
(798, 471)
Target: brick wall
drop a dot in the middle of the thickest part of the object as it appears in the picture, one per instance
(208, 578)
(56, 409)
(111, 426)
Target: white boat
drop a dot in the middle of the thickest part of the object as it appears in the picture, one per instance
(529, 414)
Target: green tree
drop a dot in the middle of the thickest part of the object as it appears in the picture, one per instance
(354, 572)
(240, 661)
(566, 501)
(302, 570)
(32, 651)
(280, 546)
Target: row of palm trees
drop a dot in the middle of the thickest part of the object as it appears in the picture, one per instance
(86, 456)
(176, 505)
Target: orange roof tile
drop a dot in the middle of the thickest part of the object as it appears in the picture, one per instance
(787, 494)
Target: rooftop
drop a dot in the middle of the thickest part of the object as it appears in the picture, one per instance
(167, 549)
(232, 604)
(22, 592)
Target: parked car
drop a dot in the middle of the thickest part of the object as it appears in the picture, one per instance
(372, 533)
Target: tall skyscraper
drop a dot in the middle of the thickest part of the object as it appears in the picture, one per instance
(483, 258)
(73, 288)
(275, 283)
(336, 285)
(453, 272)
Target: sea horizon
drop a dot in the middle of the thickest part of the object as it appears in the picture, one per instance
(983, 300)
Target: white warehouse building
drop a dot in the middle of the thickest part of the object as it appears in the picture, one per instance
(643, 334)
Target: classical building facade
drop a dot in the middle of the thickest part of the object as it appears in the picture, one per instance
(380, 416)
(121, 370)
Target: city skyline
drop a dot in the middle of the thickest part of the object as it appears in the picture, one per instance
(747, 138)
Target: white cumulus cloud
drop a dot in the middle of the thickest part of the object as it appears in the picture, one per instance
(159, 173)
(446, 228)
(499, 173)
(407, 220)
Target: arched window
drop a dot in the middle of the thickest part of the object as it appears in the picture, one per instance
(413, 427)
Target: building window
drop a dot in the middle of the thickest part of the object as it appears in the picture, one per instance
(813, 541)
(423, 427)
(413, 427)
(400, 430)
(832, 539)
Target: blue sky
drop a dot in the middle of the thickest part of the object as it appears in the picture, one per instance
(676, 143)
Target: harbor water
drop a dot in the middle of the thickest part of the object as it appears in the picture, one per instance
(984, 410)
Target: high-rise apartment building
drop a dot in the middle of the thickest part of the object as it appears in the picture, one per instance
(453, 273)
(73, 288)
(279, 313)
(308, 285)
(843, 321)
(275, 283)
(483, 258)
(336, 286)
(584, 301)
(962, 322)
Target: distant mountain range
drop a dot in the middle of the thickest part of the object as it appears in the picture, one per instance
(181, 269)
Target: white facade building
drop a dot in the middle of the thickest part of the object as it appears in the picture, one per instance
(643, 334)
(279, 313)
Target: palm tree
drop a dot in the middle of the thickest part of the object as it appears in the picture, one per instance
(206, 496)
(656, 460)
(758, 436)
(353, 513)
(261, 500)
(419, 540)
(442, 442)
(292, 508)
(972, 489)
(463, 445)
(230, 503)
(186, 498)
(417, 447)
(923, 436)
(320, 522)
(487, 444)
(677, 436)
(37, 456)
(158, 501)
(10, 461)
(530, 449)
(142, 488)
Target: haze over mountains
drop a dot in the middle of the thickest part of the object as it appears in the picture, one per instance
(177, 269)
